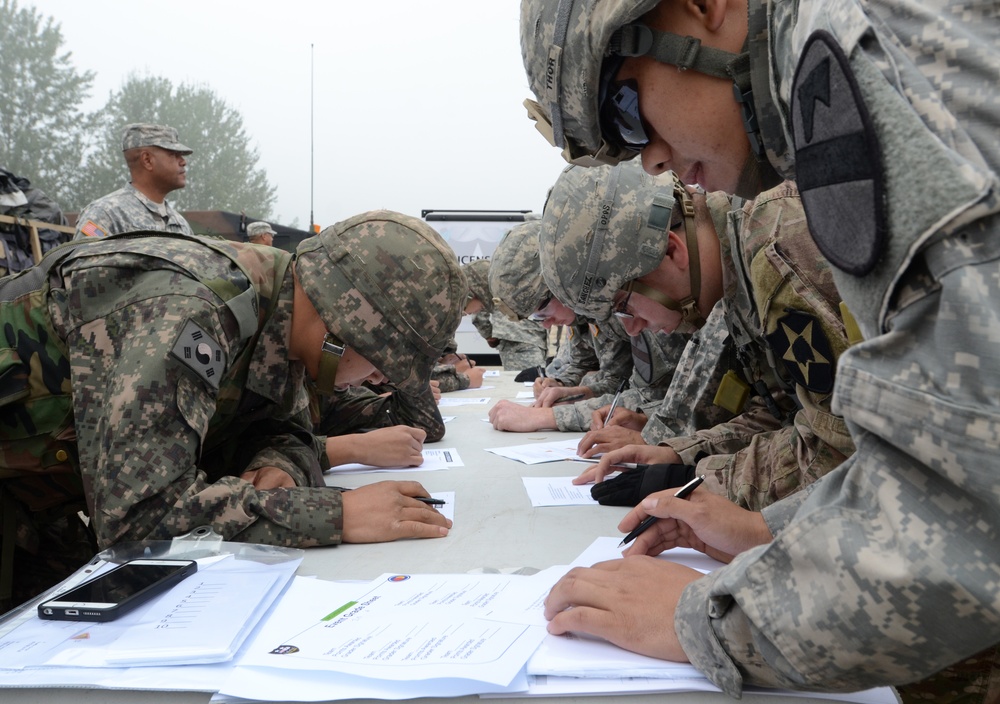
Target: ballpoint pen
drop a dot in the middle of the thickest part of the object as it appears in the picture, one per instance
(682, 493)
(621, 465)
(430, 500)
(614, 402)
(570, 399)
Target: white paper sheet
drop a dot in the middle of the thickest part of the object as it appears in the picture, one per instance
(449, 401)
(539, 452)
(435, 459)
(557, 491)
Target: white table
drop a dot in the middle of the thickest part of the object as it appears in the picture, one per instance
(495, 527)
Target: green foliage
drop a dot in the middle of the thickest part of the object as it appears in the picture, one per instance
(42, 128)
(222, 173)
(76, 157)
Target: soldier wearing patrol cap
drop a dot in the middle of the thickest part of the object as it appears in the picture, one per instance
(260, 233)
(870, 108)
(156, 164)
(157, 382)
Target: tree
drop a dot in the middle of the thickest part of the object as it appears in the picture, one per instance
(42, 129)
(222, 173)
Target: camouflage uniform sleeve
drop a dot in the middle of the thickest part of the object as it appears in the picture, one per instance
(358, 408)
(142, 416)
(576, 357)
(614, 352)
(449, 378)
(418, 411)
(573, 417)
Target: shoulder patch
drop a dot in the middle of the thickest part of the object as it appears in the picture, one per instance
(800, 343)
(199, 352)
(92, 229)
(838, 166)
(642, 359)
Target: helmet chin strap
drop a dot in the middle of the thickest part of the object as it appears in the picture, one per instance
(687, 53)
(693, 320)
(329, 359)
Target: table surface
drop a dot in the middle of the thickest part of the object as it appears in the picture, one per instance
(495, 527)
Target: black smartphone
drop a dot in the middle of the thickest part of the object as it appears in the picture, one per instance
(118, 591)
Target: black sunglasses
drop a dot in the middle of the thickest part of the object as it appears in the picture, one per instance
(618, 109)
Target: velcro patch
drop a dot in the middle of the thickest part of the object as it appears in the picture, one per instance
(199, 352)
(800, 343)
(838, 165)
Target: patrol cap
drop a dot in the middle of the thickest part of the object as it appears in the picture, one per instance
(478, 275)
(142, 134)
(516, 271)
(563, 45)
(603, 227)
(259, 229)
(388, 286)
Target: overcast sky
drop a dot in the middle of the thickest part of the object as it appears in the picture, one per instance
(415, 104)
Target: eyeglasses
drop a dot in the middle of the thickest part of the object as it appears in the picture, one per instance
(621, 308)
(618, 113)
(538, 315)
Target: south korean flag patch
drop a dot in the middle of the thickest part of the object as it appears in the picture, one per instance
(199, 351)
(838, 165)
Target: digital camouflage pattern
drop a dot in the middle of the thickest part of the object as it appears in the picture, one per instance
(449, 378)
(477, 273)
(563, 44)
(520, 344)
(652, 363)
(128, 210)
(146, 374)
(259, 230)
(772, 270)
(516, 272)
(144, 134)
(353, 409)
(577, 356)
(689, 404)
(603, 227)
(388, 285)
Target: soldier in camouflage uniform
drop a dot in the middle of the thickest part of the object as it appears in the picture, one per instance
(781, 304)
(156, 164)
(520, 293)
(885, 114)
(159, 381)
(260, 233)
(454, 371)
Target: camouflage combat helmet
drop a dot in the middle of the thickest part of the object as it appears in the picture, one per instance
(477, 273)
(516, 272)
(387, 286)
(604, 227)
(572, 49)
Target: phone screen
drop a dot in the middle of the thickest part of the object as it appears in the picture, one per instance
(121, 583)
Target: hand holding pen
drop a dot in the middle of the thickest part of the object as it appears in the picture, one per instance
(615, 401)
(682, 493)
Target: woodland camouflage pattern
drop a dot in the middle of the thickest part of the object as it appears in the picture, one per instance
(128, 210)
(869, 582)
(150, 372)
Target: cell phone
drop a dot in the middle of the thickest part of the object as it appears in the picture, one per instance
(117, 591)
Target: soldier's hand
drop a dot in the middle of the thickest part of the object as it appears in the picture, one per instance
(268, 478)
(395, 446)
(633, 420)
(436, 390)
(596, 442)
(385, 511)
(515, 418)
(628, 602)
(475, 375)
(555, 394)
(640, 454)
(543, 382)
(704, 521)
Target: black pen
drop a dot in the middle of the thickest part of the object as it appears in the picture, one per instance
(682, 493)
(614, 402)
(570, 399)
(430, 500)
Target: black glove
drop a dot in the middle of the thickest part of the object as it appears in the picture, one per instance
(634, 485)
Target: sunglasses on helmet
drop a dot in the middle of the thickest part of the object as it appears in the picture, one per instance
(618, 109)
